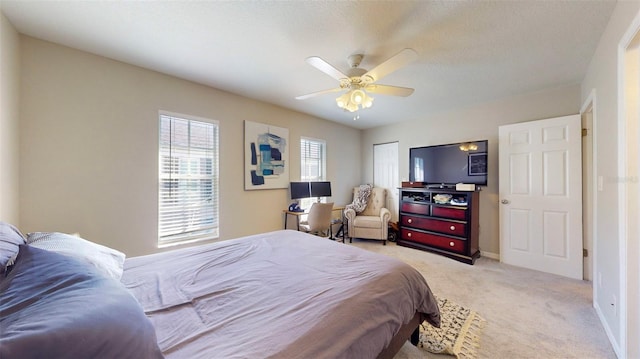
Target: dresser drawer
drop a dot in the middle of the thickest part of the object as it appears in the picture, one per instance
(434, 240)
(449, 212)
(415, 208)
(437, 225)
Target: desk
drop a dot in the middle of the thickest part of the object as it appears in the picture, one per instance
(297, 215)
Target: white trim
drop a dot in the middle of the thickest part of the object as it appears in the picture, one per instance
(590, 104)
(607, 330)
(623, 214)
(491, 255)
(313, 139)
(622, 207)
(187, 117)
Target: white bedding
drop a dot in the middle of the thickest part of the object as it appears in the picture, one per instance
(282, 294)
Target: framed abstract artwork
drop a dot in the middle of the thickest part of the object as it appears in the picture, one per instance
(266, 156)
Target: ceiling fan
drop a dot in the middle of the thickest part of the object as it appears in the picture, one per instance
(359, 81)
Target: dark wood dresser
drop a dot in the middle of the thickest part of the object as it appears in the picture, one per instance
(439, 220)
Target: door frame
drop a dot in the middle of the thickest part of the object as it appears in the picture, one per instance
(590, 106)
(629, 286)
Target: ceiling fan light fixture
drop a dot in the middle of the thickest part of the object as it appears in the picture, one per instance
(353, 100)
(368, 102)
(352, 107)
(343, 100)
(357, 96)
(359, 81)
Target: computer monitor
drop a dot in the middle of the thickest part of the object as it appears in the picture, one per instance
(300, 190)
(321, 189)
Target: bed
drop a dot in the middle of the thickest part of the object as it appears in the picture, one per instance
(282, 294)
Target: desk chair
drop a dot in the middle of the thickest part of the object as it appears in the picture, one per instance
(318, 220)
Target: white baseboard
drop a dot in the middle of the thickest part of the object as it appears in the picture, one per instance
(607, 329)
(490, 255)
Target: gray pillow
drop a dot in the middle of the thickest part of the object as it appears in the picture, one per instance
(58, 306)
(107, 260)
(10, 240)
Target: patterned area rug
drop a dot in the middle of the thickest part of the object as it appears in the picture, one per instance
(459, 332)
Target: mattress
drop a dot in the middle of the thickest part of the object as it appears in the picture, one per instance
(282, 294)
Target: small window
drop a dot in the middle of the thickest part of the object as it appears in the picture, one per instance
(313, 164)
(188, 180)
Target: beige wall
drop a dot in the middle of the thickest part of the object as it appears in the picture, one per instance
(89, 148)
(9, 116)
(474, 123)
(602, 79)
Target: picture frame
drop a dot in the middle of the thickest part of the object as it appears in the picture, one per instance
(266, 156)
(477, 164)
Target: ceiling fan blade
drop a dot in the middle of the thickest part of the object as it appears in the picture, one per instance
(325, 67)
(389, 90)
(397, 61)
(313, 94)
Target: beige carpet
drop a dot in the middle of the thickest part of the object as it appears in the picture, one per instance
(528, 314)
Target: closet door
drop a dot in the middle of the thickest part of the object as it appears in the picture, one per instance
(385, 174)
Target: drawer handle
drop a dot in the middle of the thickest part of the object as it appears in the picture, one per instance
(451, 244)
(409, 220)
(409, 234)
(453, 228)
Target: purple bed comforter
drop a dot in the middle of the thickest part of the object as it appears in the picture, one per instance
(282, 294)
(56, 306)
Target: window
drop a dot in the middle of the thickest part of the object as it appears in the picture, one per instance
(188, 180)
(313, 163)
(312, 160)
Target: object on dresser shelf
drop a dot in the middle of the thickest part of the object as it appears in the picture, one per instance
(460, 201)
(442, 198)
(465, 187)
(418, 198)
(412, 184)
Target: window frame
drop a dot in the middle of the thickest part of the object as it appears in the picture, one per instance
(322, 166)
(192, 167)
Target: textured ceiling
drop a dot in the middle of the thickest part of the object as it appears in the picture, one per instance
(469, 51)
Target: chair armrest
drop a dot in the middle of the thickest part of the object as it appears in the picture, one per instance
(349, 214)
(385, 216)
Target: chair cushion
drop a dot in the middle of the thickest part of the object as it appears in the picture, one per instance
(367, 222)
(377, 201)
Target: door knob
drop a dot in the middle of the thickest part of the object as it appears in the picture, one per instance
(505, 201)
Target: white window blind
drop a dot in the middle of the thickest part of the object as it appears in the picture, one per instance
(188, 180)
(313, 164)
(312, 160)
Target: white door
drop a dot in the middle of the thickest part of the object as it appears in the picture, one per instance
(385, 174)
(541, 195)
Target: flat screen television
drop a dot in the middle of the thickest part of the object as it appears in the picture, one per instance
(446, 165)
(300, 190)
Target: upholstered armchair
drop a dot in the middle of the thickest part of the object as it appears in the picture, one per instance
(373, 221)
